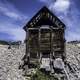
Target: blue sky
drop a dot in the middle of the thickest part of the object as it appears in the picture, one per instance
(14, 14)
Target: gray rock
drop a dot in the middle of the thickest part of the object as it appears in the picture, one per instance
(11, 58)
(58, 64)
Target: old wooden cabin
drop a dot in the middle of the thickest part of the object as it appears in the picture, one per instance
(45, 37)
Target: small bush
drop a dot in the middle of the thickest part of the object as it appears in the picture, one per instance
(42, 76)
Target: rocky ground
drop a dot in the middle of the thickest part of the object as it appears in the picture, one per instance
(10, 60)
(73, 58)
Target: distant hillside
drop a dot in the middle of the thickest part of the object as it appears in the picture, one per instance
(10, 43)
(15, 43)
(74, 42)
(3, 42)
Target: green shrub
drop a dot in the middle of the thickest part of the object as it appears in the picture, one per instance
(42, 76)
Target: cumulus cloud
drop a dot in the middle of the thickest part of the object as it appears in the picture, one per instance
(15, 33)
(60, 5)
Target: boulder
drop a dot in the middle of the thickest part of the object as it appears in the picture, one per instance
(58, 64)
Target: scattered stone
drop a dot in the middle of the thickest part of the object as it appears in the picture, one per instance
(10, 60)
(58, 63)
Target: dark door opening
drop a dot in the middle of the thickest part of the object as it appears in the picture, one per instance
(46, 55)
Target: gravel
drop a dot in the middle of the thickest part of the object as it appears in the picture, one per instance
(73, 58)
(10, 60)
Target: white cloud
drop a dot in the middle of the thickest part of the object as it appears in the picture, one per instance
(72, 35)
(13, 15)
(10, 11)
(57, 5)
(60, 5)
(47, 1)
(11, 25)
(16, 33)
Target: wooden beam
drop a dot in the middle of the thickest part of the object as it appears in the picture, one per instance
(33, 28)
(39, 42)
(28, 51)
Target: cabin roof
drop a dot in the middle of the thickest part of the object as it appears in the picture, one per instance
(44, 13)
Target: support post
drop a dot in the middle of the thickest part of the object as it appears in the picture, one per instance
(39, 46)
(28, 49)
